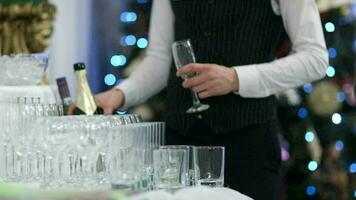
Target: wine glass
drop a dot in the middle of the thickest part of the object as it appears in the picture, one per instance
(183, 55)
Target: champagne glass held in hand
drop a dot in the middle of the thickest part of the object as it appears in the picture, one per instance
(183, 55)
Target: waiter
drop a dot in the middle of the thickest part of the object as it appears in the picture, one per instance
(235, 42)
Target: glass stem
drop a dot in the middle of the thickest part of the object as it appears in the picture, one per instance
(195, 96)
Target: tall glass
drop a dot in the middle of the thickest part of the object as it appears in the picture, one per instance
(183, 55)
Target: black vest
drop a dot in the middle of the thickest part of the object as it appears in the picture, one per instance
(229, 33)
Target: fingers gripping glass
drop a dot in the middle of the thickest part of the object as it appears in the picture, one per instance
(183, 55)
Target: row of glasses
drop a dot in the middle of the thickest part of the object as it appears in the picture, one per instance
(182, 166)
(138, 139)
(88, 152)
(17, 115)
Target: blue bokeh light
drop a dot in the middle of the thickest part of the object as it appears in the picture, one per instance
(142, 1)
(110, 79)
(352, 168)
(341, 97)
(130, 40)
(339, 145)
(330, 72)
(118, 60)
(309, 136)
(332, 52)
(308, 88)
(142, 43)
(336, 118)
(303, 113)
(312, 166)
(311, 190)
(128, 17)
(330, 27)
(121, 112)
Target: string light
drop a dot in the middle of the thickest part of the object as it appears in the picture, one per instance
(128, 17)
(311, 190)
(330, 72)
(312, 166)
(309, 136)
(110, 79)
(332, 53)
(336, 118)
(142, 43)
(308, 88)
(341, 97)
(329, 27)
(121, 112)
(118, 60)
(128, 40)
(303, 113)
(352, 168)
(339, 145)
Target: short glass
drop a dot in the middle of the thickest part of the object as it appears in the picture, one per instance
(209, 164)
(170, 169)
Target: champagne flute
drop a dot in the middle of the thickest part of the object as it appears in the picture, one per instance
(183, 55)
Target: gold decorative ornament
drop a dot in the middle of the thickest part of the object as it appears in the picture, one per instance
(323, 100)
(25, 28)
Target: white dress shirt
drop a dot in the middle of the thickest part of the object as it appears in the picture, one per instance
(307, 62)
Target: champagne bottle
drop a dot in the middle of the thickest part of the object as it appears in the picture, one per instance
(64, 93)
(85, 103)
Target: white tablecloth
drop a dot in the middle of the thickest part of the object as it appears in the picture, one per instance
(194, 193)
(48, 94)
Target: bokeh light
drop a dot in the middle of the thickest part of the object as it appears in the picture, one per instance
(352, 168)
(302, 113)
(339, 145)
(309, 136)
(118, 60)
(308, 88)
(329, 27)
(142, 43)
(330, 72)
(110, 79)
(336, 118)
(128, 17)
(332, 52)
(312, 166)
(311, 190)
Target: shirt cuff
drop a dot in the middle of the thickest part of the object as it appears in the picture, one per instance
(128, 88)
(248, 81)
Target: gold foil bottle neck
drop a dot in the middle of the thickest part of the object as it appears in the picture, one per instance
(85, 99)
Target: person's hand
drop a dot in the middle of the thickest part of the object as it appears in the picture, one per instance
(110, 100)
(211, 80)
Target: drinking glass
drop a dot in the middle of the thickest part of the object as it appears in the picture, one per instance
(209, 164)
(125, 168)
(190, 149)
(170, 169)
(183, 55)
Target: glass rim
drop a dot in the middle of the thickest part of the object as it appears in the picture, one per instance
(178, 42)
(210, 147)
(169, 150)
(176, 147)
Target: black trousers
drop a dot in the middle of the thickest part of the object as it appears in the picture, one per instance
(252, 156)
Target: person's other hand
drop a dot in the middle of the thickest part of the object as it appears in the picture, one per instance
(211, 80)
(110, 100)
